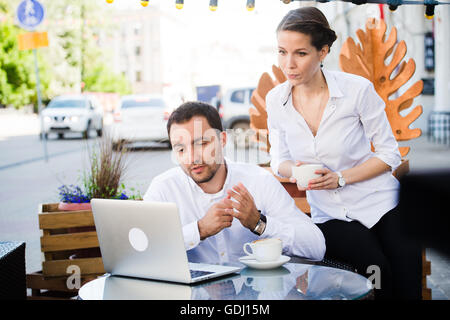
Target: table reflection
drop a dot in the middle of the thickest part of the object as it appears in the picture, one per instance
(292, 281)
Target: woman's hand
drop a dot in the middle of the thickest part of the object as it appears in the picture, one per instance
(328, 180)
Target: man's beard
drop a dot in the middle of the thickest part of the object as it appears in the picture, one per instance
(211, 172)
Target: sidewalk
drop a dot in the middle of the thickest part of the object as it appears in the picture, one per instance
(14, 123)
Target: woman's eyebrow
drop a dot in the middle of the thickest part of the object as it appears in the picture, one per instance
(299, 49)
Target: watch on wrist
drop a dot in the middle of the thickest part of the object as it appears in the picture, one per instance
(261, 225)
(341, 180)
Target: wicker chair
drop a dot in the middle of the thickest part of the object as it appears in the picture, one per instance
(12, 271)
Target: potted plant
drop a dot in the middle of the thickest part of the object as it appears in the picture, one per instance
(103, 179)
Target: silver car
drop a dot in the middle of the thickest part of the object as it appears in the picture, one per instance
(140, 117)
(72, 113)
(234, 108)
(234, 111)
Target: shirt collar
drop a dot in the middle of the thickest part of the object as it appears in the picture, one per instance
(332, 84)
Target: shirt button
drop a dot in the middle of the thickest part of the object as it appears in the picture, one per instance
(346, 213)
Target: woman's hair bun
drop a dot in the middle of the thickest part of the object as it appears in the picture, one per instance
(310, 21)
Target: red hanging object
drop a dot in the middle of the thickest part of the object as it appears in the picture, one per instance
(380, 5)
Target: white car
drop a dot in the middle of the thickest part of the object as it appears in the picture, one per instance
(141, 117)
(72, 113)
(234, 111)
(234, 107)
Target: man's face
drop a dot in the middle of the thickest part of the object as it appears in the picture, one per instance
(198, 148)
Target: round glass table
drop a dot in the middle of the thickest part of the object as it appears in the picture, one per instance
(293, 281)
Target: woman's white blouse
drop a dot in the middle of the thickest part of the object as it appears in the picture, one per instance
(354, 117)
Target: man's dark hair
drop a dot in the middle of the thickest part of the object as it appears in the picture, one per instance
(190, 109)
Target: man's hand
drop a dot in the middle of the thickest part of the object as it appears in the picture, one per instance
(217, 218)
(244, 204)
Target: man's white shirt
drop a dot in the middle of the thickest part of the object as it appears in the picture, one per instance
(300, 236)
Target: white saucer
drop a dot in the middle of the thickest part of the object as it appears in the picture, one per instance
(253, 263)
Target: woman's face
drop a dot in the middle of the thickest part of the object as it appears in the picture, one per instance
(297, 57)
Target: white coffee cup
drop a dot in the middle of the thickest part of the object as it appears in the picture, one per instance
(264, 250)
(306, 172)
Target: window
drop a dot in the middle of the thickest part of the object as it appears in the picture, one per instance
(142, 102)
(138, 51)
(250, 95)
(138, 76)
(67, 103)
(238, 96)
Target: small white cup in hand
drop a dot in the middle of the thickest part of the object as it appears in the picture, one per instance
(264, 250)
(306, 172)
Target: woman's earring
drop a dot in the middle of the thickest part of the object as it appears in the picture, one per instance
(321, 64)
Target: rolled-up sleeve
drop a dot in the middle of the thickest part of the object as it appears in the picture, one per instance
(300, 236)
(377, 127)
(279, 151)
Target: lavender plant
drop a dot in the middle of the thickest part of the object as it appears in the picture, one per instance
(103, 179)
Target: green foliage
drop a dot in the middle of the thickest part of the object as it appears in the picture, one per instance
(77, 52)
(17, 75)
(100, 78)
(73, 55)
(4, 6)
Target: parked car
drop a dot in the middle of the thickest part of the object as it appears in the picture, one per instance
(234, 111)
(72, 113)
(140, 117)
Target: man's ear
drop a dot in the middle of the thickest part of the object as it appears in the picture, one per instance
(223, 138)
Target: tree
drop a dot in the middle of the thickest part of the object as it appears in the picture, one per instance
(100, 78)
(76, 55)
(73, 56)
(17, 75)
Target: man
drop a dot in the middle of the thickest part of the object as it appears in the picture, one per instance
(223, 204)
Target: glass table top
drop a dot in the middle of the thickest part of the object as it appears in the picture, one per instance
(293, 281)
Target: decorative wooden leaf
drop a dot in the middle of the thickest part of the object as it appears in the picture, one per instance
(258, 115)
(368, 58)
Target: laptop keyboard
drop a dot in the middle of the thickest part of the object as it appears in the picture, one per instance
(198, 273)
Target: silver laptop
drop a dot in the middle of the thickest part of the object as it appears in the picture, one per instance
(145, 240)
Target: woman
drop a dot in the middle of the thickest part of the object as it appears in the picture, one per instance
(327, 117)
